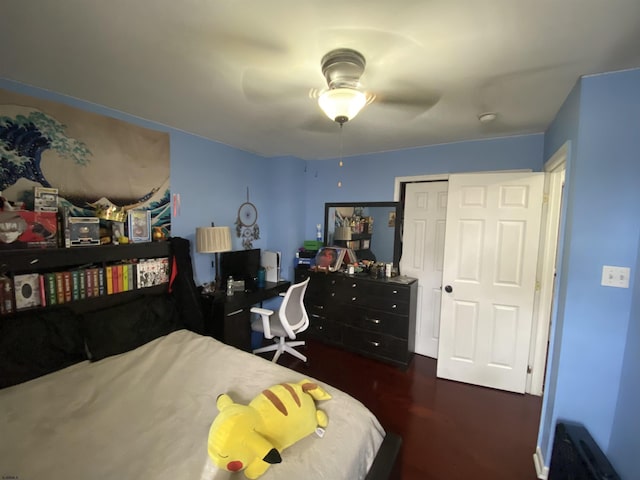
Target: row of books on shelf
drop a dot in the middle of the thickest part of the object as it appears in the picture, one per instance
(53, 288)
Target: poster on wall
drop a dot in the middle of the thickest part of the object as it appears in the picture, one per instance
(94, 161)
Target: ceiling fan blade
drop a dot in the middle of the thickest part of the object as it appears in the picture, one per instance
(408, 97)
(262, 86)
(246, 49)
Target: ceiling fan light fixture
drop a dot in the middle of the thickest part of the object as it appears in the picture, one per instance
(342, 104)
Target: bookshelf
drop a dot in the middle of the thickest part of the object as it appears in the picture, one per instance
(18, 263)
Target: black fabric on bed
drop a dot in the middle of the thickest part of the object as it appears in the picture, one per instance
(34, 343)
(184, 288)
(123, 327)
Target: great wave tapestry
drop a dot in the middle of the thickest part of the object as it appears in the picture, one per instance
(91, 159)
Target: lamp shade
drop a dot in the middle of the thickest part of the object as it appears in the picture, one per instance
(213, 239)
(342, 104)
(342, 233)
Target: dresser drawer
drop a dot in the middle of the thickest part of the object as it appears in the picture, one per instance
(323, 285)
(391, 305)
(376, 344)
(324, 329)
(374, 288)
(376, 321)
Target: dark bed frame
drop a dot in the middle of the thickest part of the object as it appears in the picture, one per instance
(182, 291)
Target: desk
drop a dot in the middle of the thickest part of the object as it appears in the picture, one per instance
(228, 318)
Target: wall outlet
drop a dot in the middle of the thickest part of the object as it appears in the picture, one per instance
(615, 276)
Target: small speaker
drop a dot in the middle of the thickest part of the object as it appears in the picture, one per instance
(576, 456)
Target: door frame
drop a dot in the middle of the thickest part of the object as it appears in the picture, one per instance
(540, 333)
(554, 169)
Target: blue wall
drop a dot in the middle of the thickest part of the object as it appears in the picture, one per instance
(602, 206)
(624, 445)
(371, 178)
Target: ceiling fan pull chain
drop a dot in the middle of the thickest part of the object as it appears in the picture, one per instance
(341, 163)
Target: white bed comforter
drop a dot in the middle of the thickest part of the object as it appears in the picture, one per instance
(146, 414)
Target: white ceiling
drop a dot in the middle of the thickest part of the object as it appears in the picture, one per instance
(240, 71)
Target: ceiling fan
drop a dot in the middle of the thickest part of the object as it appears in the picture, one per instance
(345, 93)
(342, 69)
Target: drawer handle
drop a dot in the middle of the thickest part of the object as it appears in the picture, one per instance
(395, 291)
(354, 285)
(353, 299)
(375, 344)
(374, 320)
(319, 307)
(236, 312)
(394, 306)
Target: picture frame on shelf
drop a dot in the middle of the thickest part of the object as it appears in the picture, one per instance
(139, 222)
(117, 231)
(329, 258)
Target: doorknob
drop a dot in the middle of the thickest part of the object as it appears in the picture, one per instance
(448, 289)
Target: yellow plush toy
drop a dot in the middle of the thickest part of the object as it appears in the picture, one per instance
(251, 437)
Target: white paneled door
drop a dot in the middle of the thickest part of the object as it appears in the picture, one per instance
(425, 209)
(489, 278)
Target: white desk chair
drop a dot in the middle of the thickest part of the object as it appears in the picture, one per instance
(290, 319)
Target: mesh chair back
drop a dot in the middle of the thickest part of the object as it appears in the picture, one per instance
(292, 309)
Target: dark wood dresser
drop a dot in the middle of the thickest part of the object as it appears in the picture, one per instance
(374, 317)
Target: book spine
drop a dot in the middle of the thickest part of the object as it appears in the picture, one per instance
(117, 281)
(50, 288)
(109, 279)
(125, 277)
(43, 294)
(88, 282)
(98, 281)
(67, 286)
(60, 287)
(132, 276)
(83, 283)
(10, 297)
(75, 285)
(3, 306)
(101, 281)
(140, 274)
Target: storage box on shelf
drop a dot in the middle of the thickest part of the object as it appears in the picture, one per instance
(26, 229)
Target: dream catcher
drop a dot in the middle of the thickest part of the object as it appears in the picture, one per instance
(246, 226)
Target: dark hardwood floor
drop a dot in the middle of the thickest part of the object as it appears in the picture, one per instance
(450, 430)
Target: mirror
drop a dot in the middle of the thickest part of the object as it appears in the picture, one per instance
(371, 229)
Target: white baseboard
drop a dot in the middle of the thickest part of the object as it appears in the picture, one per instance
(538, 461)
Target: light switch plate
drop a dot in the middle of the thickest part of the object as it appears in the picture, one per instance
(615, 276)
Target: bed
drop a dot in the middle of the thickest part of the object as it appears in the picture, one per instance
(127, 392)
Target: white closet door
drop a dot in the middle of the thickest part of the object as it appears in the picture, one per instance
(425, 209)
(489, 278)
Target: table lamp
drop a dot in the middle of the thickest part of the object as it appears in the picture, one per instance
(213, 240)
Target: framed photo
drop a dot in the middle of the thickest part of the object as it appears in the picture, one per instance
(139, 225)
(392, 219)
(329, 258)
(365, 244)
(117, 231)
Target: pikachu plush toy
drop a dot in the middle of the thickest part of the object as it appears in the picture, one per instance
(251, 437)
